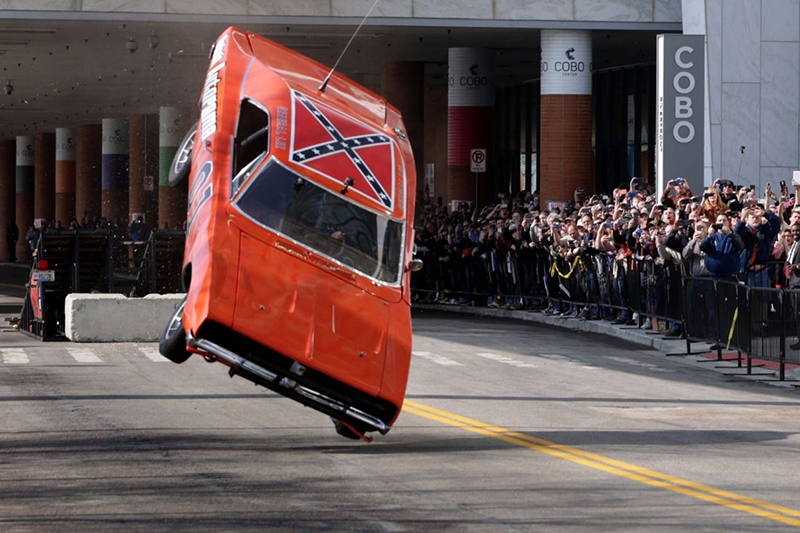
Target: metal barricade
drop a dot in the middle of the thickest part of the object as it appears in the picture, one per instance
(728, 311)
(767, 325)
(700, 319)
(791, 328)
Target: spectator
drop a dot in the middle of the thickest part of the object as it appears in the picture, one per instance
(757, 230)
(722, 248)
(793, 276)
(32, 238)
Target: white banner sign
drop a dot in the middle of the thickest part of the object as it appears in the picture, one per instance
(566, 66)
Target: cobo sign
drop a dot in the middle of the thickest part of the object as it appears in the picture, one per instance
(680, 100)
(470, 77)
(566, 64)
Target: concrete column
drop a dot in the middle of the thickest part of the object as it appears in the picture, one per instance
(25, 199)
(44, 206)
(403, 86)
(8, 196)
(470, 115)
(116, 149)
(174, 123)
(88, 171)
(566, 158)
(65, 175)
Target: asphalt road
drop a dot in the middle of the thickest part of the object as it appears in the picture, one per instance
(507, 427)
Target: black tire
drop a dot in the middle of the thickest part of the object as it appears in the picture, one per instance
(173, 340)
(346, 432)
(181, 165)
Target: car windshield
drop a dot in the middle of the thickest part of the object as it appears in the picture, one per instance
(297, 208)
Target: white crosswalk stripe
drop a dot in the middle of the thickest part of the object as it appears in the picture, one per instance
(435, 358)
(84, 355)
(153, 355)
(14, 356)
(506, 360)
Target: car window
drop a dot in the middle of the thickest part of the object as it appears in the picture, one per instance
(285, 202)
(251, 143)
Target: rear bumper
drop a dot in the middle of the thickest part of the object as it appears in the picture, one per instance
(295, 383)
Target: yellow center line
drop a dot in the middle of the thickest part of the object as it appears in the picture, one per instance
(612, 466)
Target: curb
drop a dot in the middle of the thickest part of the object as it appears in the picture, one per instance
(633, 336)
(21, 266)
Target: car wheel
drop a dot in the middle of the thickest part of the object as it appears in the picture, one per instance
(346, 432)
(181, 165)
(173, 341)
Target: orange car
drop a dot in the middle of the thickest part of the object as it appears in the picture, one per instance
(299, 234)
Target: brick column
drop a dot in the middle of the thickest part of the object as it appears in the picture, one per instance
(566, 158)
(25, 182)
(44, 206)
(116, 151)
(470, 115)
(88, 171)
(403, 86)
(65, 175)
(8, 195)
(174, 123)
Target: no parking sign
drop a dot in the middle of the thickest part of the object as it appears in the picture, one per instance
(477, 160)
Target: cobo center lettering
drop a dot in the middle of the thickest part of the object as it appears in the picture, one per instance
(469, 81)
(684, 83)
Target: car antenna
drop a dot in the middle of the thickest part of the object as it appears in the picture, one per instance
(328, 77)
(348, 182)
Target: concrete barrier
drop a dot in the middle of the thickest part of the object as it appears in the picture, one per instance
(116, 318)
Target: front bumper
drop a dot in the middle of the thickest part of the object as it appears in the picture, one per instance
(284, 384)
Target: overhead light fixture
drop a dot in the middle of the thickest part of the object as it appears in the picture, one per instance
(180, 54)
(27, 30)
(131, 46)
(310, 46)
(270, 35)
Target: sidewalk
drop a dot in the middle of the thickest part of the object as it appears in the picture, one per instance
(701, 356)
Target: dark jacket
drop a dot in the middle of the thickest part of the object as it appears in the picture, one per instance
(722, 254)
(760, 240)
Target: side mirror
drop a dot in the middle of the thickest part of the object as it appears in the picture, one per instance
(415, 265)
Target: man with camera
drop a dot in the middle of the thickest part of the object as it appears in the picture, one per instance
(722, 248)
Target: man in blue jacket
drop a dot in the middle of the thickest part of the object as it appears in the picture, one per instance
(722, 248)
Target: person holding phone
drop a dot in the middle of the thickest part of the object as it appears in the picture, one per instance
(675, 191)
(758, 230)
(792, 271)
(722, 248)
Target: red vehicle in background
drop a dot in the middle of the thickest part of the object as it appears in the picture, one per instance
(299, 235)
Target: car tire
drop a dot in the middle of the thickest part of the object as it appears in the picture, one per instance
(181, 165)
(173, 341)
(346, 432)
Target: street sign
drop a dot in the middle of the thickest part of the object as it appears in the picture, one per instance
(477, 160)
(149, 183)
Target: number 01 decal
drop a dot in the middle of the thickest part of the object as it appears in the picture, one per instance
(195, 194)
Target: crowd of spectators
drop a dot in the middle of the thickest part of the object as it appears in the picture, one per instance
(727, 232)
(135, 232)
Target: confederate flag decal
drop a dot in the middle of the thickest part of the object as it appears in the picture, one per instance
(338, 146)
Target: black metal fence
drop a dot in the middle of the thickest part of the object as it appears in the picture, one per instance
(98, 261)
(755, 322)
